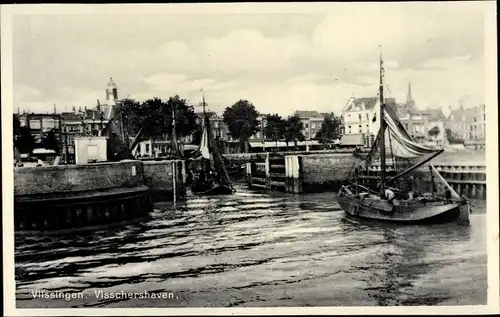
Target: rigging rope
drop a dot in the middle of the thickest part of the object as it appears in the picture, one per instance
(392, 154)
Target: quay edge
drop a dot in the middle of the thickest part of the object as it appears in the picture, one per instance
(59, 197)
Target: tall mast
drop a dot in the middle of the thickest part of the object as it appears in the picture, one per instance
(382, 122)
(203, 96)
(174, 134)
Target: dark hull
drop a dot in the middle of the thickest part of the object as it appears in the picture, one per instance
(413, 212)
(211, 189)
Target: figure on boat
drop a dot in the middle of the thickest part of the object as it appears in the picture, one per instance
(208, 172)
(397, 195)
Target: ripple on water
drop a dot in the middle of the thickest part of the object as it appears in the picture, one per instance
(259, 249)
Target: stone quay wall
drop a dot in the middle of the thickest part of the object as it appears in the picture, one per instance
(69, 196)
(159, 176)
(327, 172)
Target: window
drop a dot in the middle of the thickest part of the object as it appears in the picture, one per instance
(367, 117)
(307, 125)
(147, 148)
(359, 117)
(367, 128)
(349, 127)
(475, 119)
(360, 129)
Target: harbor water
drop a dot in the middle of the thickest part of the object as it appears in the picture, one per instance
(254, 249)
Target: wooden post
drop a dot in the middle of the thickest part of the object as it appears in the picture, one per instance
(174, 181)
(267, 171)
(356, 171)
(249, 174)
(433, 186)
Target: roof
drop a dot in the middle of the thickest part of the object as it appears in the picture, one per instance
(352, 139)
(433, 114)
(468, 113)
(272, 144)
(308, 114)
(69, 116)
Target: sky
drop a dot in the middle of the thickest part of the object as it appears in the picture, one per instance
(281, 57)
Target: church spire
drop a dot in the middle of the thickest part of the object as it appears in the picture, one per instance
(409, 98)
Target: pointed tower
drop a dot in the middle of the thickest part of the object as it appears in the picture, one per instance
(410, 103)
(111, 92)
(55, 109)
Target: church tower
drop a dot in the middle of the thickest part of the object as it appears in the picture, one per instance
(111, 92)
(410, 103)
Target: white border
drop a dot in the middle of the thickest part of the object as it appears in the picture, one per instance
(7, 173)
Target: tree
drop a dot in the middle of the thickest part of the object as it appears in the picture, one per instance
(51, 142)
(198, 129)
(24, 141)
(241, 121)
(434, 132)
(453, 138)
(293, 130)
(130, 110)
(329, 129)
(275, 128)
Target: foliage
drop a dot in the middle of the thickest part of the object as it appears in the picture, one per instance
(329, 129)
(198, 129)
(241, 121)
(25, 142)
(132, 116)
(434, 132)
(293, 130)
(453, 138)
(154, 116)
(51, 142)
(275, 128)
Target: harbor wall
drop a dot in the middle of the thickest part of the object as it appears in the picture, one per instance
(44, 180)
(327, 172)
(260, 156)
(69, 196)
(159, 176)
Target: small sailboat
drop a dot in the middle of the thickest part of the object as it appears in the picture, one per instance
(394, 197)
(211, 178)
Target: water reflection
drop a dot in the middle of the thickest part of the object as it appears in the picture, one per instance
(257, 249)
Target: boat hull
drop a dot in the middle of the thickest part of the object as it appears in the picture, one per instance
(211, 189)
(406, 212)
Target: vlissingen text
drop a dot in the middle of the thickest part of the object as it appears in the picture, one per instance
(67, 296)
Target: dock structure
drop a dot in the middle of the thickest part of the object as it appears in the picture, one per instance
(58, 197)
(326, 172)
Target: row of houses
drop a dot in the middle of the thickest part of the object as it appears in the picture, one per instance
(358, 127)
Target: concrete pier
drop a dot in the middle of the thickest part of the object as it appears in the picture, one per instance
(160, 175)
(326, 172)
(69, 196)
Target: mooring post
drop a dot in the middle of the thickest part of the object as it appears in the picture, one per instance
(249, 174)
(174, 180)
(267, 171)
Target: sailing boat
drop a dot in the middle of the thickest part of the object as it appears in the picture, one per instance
(386, 201)
(208, 180)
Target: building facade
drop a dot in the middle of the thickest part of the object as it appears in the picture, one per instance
(468, 123)
(312, 122)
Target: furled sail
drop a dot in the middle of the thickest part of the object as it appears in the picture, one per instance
(204, 145)
(399, 141)
(404, 153)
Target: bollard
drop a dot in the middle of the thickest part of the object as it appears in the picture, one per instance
(267, 172)
(249, 174)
